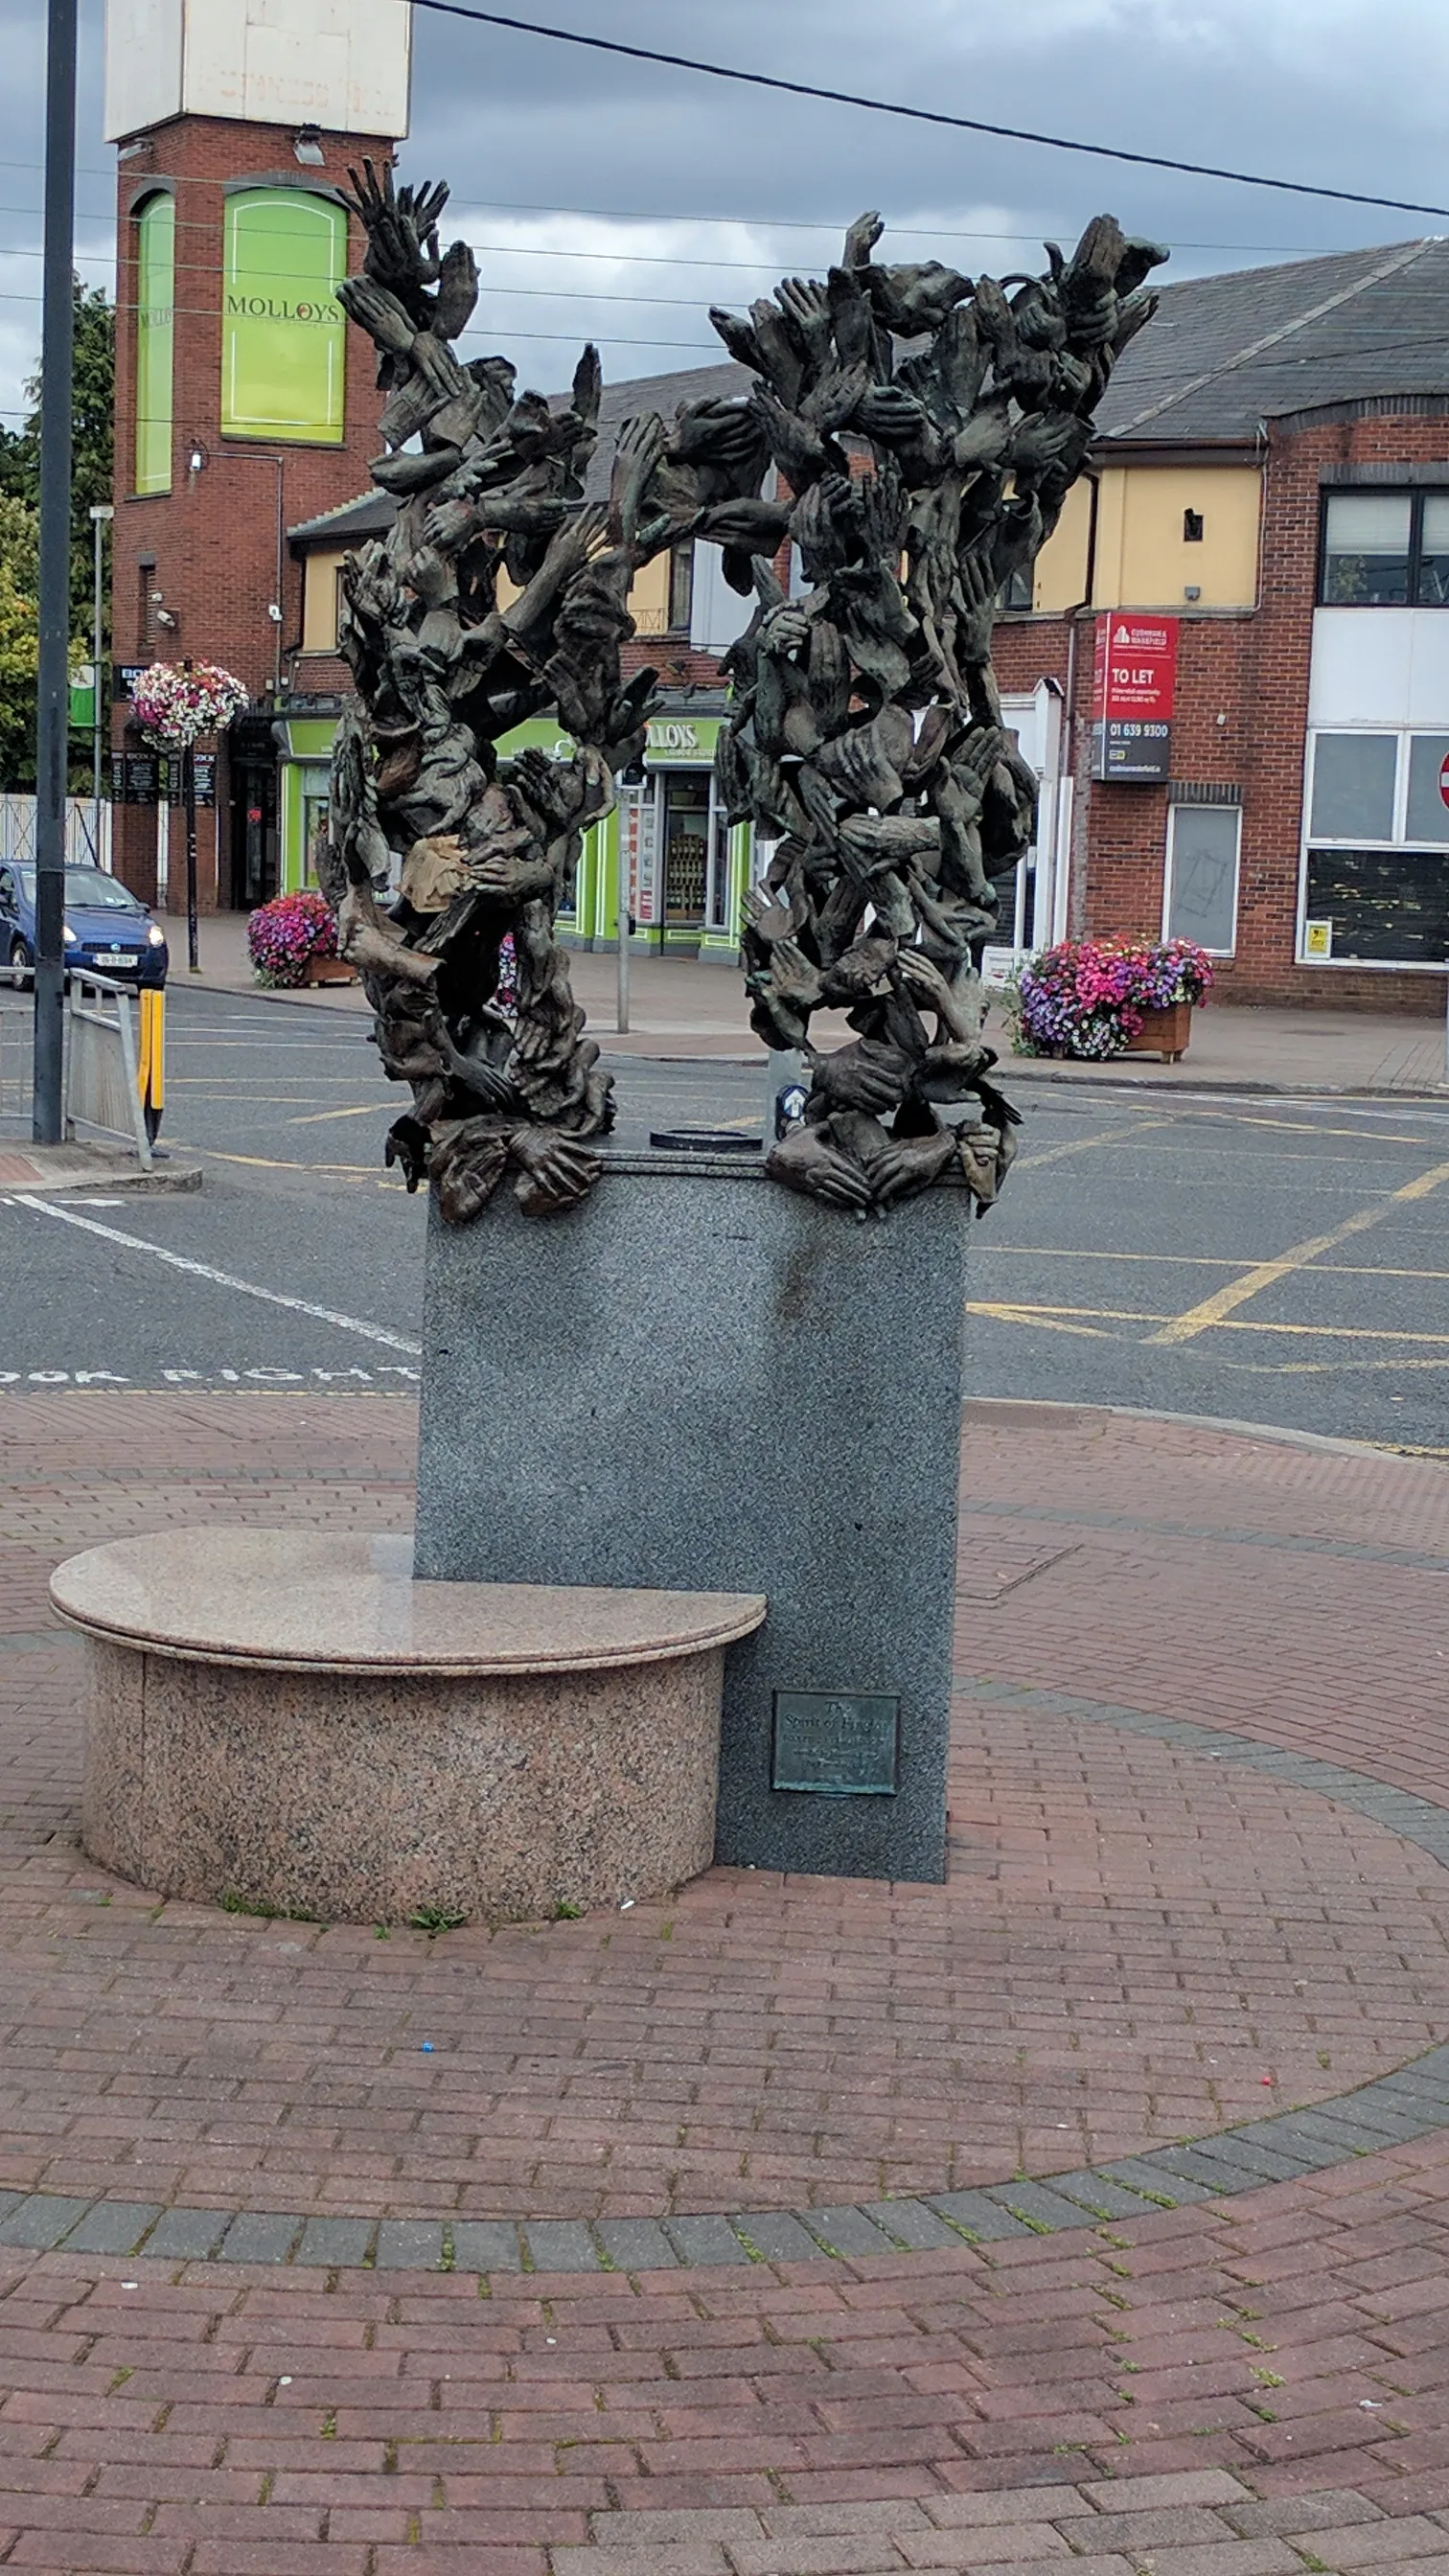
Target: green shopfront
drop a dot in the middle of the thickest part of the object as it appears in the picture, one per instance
(667, 850)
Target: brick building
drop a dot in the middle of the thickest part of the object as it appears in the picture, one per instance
(1271, 487)
(243, 401)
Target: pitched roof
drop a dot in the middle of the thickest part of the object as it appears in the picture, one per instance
(370, 515)
(1226, 353)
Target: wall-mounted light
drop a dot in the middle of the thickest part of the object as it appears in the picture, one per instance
(1192, 590)
(308, 146)
(197, 458)
(274, 612)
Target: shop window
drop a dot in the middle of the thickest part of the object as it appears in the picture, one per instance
(681, 587)
(1353, 786)
(1385, 550)
(1376, 869)
(1426, 816)
(1433, 589)
(155, 337)
(686, 847)
(283, 336)
(1201, 890)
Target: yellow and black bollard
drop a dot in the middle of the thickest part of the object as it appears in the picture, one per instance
(151, 1070)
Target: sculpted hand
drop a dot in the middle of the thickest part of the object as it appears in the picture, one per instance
(806, 1160)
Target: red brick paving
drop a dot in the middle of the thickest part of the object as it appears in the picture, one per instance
(1120, 1915)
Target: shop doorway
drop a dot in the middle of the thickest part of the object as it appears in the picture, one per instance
(254, 842)
(694, 839)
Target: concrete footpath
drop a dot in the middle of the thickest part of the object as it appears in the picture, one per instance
(684, 1011)
(1088, 2212)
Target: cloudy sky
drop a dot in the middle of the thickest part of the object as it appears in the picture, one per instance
(617, 200)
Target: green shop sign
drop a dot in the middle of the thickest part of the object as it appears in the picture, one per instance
(283, 332)
(669, 740)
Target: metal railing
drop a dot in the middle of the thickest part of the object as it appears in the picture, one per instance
(17, 1032)
(102, 1094)
(17, 831)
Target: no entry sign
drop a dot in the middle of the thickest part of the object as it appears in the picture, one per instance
(1134, 681)
(1444, 783)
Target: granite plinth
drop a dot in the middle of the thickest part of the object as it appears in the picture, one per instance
(293, 1724)
(700, 1380)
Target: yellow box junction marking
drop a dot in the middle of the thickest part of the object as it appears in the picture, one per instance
(1266, 1274)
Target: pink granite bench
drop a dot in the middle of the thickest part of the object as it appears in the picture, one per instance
(288, 1722)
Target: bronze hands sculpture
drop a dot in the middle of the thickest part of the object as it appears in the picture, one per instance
(866, 739)
(494, 596)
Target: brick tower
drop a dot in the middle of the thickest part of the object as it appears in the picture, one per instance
(245, 403)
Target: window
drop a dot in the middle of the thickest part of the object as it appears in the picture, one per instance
(681, 587)
(686, 845)
(155, 335)
(1201, 891)
(1353, 786)
(1192, 524)
(283, 337)
(1020, 588)
(1376, 865)
(1385, 550)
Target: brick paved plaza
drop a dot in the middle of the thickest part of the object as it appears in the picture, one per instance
(1087, 2213)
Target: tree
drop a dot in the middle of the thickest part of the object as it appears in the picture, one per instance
(19, 639)
(92, 447)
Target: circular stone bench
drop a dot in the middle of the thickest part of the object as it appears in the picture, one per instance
(286, 1722)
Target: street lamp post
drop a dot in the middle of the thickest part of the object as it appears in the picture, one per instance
(188, 790)
(101, 517)
(52, 729)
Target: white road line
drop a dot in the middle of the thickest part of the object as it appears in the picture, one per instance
(221, 1278)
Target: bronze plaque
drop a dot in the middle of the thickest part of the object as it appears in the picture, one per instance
(844, 1744)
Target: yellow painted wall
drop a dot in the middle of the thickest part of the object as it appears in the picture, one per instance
(649, 598)
(1060, 574)
(1143, 560)
(319, 600)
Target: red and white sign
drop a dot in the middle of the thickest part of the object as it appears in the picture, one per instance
(1134, 683)
(1444, 783)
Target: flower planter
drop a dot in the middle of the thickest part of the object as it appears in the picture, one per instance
(335, 970)
(1163, 1033)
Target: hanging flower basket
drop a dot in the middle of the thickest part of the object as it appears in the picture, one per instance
(173, 705)
(1097, 998)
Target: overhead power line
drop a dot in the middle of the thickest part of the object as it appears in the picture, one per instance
(920, 115)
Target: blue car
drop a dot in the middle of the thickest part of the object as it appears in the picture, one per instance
(106, 929)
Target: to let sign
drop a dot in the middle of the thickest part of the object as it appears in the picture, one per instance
(1134, 680)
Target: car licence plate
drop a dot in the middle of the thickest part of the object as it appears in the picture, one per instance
(118, 957)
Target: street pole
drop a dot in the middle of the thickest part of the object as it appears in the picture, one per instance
(188, 785)
(52, 732)
(101, 515)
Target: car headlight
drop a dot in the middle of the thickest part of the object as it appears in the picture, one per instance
(156, 937)
(70, 937)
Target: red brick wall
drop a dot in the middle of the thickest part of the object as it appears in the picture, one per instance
(214, 534)
(1250, 668)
